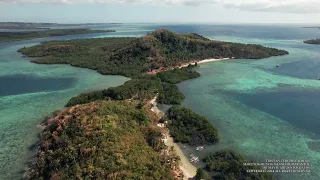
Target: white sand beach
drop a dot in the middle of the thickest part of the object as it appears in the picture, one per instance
(204, 61)
(188, 169)
(211, 60)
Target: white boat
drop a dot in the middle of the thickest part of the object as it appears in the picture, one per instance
(200, 148)
(194, 159)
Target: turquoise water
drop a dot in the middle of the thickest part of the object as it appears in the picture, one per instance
(28, 93)
(261, 111)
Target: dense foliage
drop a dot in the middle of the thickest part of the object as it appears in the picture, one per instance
(133, 56)
(170, 94)
(228, 165)
(101, 140)
(188, 127)
(25, 35)
(202, 174)
(143, 88)
(178, 75)
(312, 41)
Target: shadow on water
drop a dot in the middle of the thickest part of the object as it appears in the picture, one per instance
(21, 84)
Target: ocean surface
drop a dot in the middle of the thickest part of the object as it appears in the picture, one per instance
(261, 111)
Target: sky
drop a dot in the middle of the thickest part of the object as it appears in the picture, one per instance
(152, 11)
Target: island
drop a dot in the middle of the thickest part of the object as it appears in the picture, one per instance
(312, 41)
(27, 35)
(32, 25)
(119, 133)
(130, 57)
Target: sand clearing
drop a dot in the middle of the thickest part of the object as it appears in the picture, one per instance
(204, 61)
(212, 60)
(186, 167)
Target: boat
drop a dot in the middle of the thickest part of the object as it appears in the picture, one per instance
(278, 65)
(200, 148)
(194, 159)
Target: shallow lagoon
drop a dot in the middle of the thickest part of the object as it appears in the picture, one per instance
(28, 93)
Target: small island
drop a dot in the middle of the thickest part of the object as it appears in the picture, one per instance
(312, 41)
(103, 134)
(27, 35)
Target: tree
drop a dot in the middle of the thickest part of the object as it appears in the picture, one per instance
(201, 174)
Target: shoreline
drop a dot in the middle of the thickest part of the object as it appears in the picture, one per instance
(213, 60)
(204, 61)
(188, 169)
(155, 71)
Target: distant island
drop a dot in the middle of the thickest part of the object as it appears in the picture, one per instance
(312, 41)
(31, 25)
(119, 133)
(313, 27)
(26, 35)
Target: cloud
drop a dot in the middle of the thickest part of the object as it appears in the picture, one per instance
(284, 6)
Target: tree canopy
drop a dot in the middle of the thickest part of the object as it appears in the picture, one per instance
(101, 140)
(228, 165)
(312, 41)
(188, 127)
(143, 88)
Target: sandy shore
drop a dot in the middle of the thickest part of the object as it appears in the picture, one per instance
(154, 104)
(211, 60)
(188, 169)
(203, 61)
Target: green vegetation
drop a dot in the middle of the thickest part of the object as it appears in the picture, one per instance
(170, 94)
(132, 56)
(188, 127)
(25, 35)
(228, 164)
(178, 75)
(201, 174)
(143, 88)
(312, 41)
(101, 140)
(119, 140)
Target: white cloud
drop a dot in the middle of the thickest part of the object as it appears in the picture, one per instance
(285, 6)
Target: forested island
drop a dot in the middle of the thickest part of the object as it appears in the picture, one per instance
(26, 35)
(113, 133)
(32, 25)
(312, 41)
(133, 56)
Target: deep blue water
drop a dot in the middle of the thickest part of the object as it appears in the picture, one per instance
(21, 84)
(300, 108)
